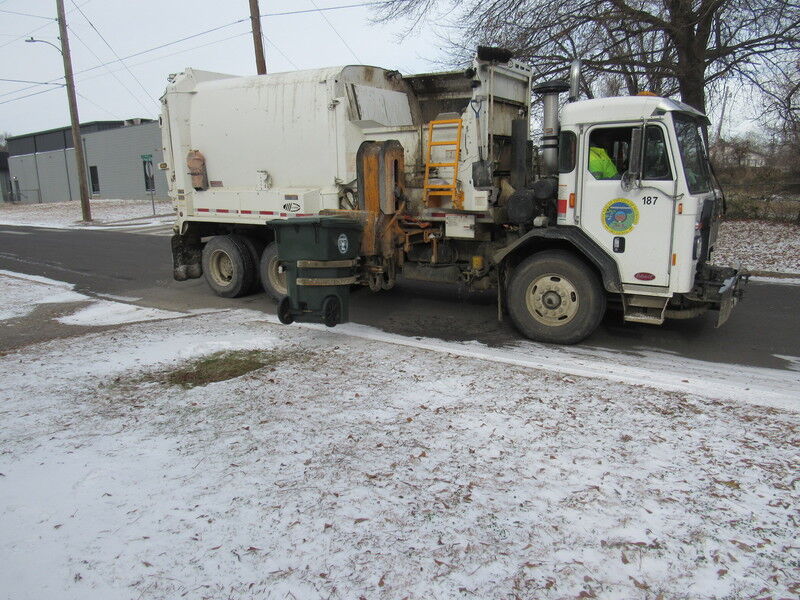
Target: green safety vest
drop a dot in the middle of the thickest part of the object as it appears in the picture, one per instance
(600, 164)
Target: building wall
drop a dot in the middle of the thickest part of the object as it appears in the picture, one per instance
(117, 155)
(24, 178)
(5, 182)
(52, 176)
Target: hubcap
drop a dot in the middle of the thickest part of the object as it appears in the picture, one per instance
(221, 267)
(552, 300)
(277, 277)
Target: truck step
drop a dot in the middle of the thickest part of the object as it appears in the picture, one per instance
(644, 317)
(644, 309)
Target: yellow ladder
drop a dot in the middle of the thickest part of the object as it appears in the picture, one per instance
(438, 189)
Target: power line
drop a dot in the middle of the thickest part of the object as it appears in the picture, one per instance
(100, 106)
(274, 45)
(28, 81)
(32, 31)
(22, 14)
(325, 8)
(29, 95)
(112, 73)
(201, 33)
(136, 64)
(322, 14)
(97, 31)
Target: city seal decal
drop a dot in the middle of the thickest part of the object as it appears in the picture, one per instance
(620, 216)
(343, 243)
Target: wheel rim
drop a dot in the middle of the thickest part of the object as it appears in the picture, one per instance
(221, 267)
(277, 278)
(552, 300)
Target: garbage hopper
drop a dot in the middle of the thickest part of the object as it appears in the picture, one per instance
(319, 255)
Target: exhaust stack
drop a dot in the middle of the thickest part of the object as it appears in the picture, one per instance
(574, 80)
(549, 91)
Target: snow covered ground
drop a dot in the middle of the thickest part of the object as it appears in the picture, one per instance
(363, 465)
(105, 213)
(759, 246)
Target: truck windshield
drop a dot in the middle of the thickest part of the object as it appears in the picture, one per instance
(693, 153)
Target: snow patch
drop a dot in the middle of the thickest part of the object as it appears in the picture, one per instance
(106, 312)
(656, 369)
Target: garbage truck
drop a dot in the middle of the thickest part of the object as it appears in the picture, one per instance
(618, 204)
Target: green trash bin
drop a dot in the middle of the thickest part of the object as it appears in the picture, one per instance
(319, 255)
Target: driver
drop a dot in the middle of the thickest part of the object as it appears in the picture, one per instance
(600, 164)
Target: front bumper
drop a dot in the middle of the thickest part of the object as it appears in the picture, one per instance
(721, 288)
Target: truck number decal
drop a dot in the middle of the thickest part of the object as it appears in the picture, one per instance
(649, 200)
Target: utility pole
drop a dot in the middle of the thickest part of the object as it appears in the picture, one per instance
(80, 160)
(258, 44)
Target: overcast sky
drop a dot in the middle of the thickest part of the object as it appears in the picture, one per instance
(301, 41)
(298, 41)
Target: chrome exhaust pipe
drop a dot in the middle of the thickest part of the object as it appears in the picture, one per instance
(549, 91)
(574, 80)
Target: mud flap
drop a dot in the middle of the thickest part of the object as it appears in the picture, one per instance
(187, 256)
(730, 293)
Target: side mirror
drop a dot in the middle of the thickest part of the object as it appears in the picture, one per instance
(629, 182)
(632, 178)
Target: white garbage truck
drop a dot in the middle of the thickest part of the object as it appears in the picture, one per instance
(618, 204)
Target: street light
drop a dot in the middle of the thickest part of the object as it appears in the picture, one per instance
(80, 161)
(32, 39)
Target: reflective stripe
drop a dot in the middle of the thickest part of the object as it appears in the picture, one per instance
(309, 281)
(325, 264)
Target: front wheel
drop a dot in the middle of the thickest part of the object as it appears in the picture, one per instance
(555, 297)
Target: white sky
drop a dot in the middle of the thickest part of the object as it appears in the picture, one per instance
(306, 41)
(302, 41)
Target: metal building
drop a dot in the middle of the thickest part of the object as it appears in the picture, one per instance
(5, 178)
(122, 160)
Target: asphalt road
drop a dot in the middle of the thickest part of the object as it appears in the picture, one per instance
(765, 326)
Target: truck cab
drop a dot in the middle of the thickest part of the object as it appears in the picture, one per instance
(657, 208)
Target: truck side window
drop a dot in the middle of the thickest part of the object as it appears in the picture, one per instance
(567, 146)
(608, 152)
(656, 160)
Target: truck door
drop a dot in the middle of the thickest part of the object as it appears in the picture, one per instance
(635, 227)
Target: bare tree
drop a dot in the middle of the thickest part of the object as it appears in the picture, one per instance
(781, 91)
(664, 46)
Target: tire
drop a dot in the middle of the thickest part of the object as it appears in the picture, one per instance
(331, 311)
(285, 315)
(228, 266)
(554, 297)
(272, 280)
(255, 246)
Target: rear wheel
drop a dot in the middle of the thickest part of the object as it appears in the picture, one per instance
(273, 279)
(555, 297)
(228, 266)
(255, 246)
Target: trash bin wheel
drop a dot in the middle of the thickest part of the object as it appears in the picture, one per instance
(331, 311)
(285, 315)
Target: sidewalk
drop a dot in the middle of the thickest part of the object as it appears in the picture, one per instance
(105, 213)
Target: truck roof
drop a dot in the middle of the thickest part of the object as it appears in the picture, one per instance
(198, 79)
(622, 108)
